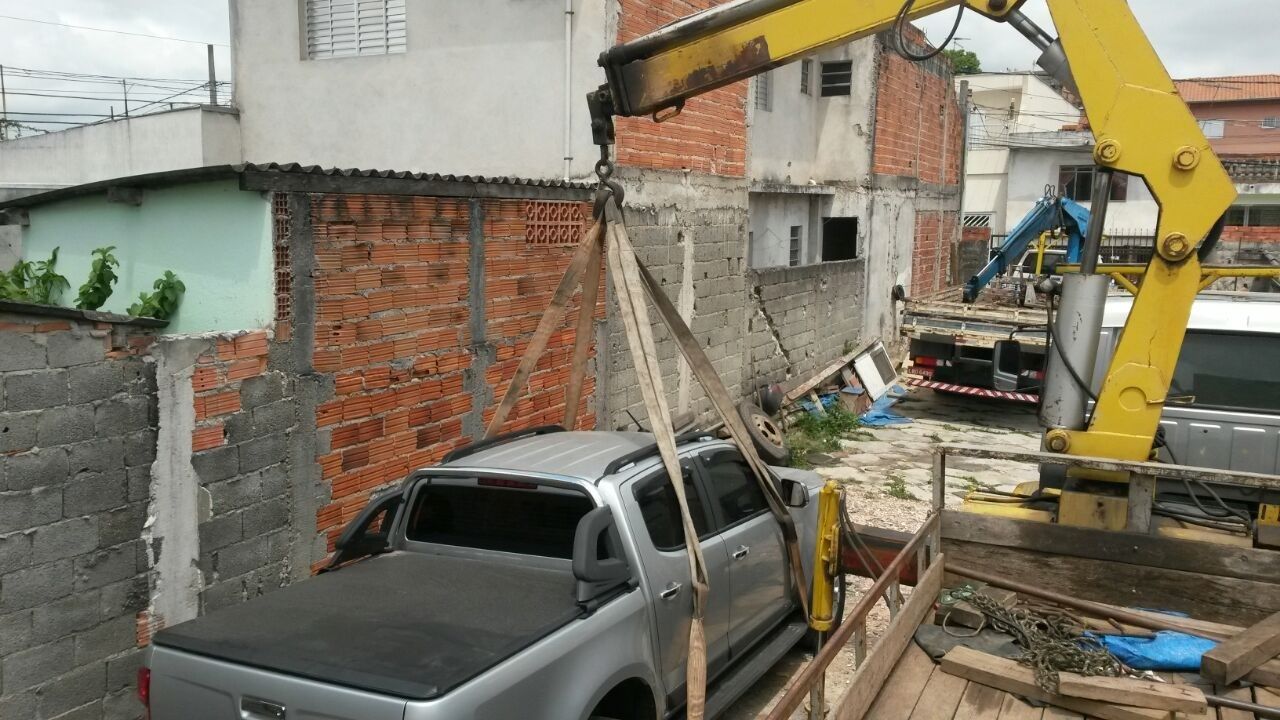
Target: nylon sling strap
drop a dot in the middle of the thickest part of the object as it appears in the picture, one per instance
(547, 325)
(624, 269)
(710, 380)
(582, 334)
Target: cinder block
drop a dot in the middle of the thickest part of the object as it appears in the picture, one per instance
(15, 552)
(81, 686)
(140, 448)
(38, 664)
(34, 586)
(91, 492)
(64, 539)
(104, 454)
(15, 635)
(21, 352)
(38, 468)
(106, 566)
(275, 417)
(64, 425)
(35, 390)
(126, 597)
(19, 430)
(266, 517)
(139, 480)
(99, 381)
(109, 638)
(121, 704)
(121, 525)
(217, 464)
(18, 704)
(122, 672)
(221, 531)
(68, 348)
(63, 617)
(29, 508)
(122, 416)
(263, 451)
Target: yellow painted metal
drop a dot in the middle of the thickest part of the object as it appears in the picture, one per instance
(1142, 127)
(781, 32)
(1006, 510)
(1269, 526)
(1125, 282)
(1092, 510)
(826, 559)
(1042, 242)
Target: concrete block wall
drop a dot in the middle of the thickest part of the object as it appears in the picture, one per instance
(424, 307)
(801, 318)
(77, 442)
(974, 252)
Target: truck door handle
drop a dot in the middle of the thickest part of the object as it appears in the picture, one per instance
(673, 589)
(741, 552)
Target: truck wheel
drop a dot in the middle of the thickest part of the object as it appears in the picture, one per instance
(765, 434)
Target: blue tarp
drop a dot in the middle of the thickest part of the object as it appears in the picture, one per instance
(878, 415)
(1167, 650)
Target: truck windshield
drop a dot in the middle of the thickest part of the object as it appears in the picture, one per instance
(509, 516)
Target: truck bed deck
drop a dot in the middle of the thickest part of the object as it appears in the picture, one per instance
(982, 323)
(391, 624)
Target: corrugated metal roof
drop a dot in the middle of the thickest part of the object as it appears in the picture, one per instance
(1229, 88)
(522, 186)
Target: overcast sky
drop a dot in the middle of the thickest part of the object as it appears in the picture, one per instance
(1222, 38)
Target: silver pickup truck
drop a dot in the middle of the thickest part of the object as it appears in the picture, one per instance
(540, 577)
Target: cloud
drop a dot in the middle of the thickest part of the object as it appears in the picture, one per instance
(1228, 37)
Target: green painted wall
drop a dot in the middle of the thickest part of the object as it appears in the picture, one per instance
(214, 236)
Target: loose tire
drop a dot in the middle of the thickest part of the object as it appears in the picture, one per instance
(765, 434)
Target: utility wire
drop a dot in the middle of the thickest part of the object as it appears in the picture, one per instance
(114, 32)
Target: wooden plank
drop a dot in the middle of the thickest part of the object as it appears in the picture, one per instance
(1243, 694)
(1010, 676)
(814, 381)
(1014, 708)
(1130, 548)
(871, 675)
(1142, 495)
(1203, 596)
(1233, 659)
(1130, 691)
(904, 686)
(1270, 697)
(1169, 471)
(980, 702)
(943, 692)
(1057, 713)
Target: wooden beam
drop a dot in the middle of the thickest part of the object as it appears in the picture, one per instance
(1012, 677)
(1129, 691)
(871, 675)
(1142, 495)
(1233, 659)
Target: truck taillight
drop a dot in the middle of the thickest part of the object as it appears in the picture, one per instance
(925, 361)
(144, 690)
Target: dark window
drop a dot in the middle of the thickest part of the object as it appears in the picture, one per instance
(793, 250)
(524, 518)
(837, 78)
(1271, 123)
(1076, 182)
(839, 238)
(734, 487)
(1236, 215)
(661, 511)
(1254, 215)
(764, 91)
(806, 69)
(1229, 370)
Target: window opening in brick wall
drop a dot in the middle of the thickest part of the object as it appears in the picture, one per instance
(806, 69)
(1271, 123)
(837, 78)
(764, 91)
(341, 28)
(839, 238)
(553, 222)
(793, 258)
(977, 220)
(1254, 215)
(280, 253)
(1213, 129)
(1076, 182)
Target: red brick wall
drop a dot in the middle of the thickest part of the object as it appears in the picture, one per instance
(931, 259)
(709, 135)
(919, 128)
(1251, 234)
(392, 327)
(216, 384)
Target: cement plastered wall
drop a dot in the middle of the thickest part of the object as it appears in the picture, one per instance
(1031, 169)
(188, 138)
(214, 236)
(480, 90)
(79, 419)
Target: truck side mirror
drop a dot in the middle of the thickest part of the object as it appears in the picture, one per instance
(369, 533)
(599, 564)
(795, 494)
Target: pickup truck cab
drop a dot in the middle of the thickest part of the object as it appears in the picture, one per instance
(541, 576)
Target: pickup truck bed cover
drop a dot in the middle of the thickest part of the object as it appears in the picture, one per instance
(395, 624)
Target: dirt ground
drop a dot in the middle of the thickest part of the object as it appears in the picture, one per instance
(899, 459)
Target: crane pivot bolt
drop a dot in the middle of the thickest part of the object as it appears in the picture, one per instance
(1175, 246)
(1107, 152)
(1058, 440)
(1187, 158)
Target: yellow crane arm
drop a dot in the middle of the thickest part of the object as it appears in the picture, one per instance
(1142, 127)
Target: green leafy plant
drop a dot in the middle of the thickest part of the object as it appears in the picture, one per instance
(963, 62)
(819, 433)
(897, 487)
(36, 282)
(162, 303)
(102, 276)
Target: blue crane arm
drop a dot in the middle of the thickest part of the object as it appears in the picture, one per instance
(1048, 213)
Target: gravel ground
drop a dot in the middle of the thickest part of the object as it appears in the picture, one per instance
(902, 455)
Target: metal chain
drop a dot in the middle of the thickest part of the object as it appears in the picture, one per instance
(1053, 639)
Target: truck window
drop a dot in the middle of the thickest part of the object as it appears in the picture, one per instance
(734, 487)
(516, 517)
(1229, 370)
(657, 501)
